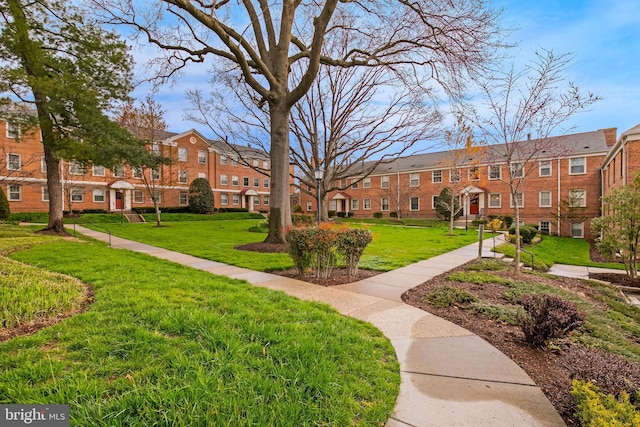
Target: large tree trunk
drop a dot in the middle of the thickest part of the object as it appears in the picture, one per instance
(452, 212)
(54, 186)
(280, 212)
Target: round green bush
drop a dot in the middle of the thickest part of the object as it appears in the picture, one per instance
(201, 197)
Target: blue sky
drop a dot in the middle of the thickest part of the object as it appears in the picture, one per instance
(603, 35)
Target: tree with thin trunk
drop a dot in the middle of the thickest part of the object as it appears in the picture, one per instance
(263, 42)
(71, 71)
(521, 111)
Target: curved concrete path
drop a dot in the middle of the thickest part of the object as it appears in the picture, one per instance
(449, 376)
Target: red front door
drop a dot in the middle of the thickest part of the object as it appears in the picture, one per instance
(474, 204)
(119, 200)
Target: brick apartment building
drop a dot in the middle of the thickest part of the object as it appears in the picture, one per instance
(584, 167)
(239, 176)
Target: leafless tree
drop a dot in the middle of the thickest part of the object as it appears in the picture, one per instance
(264, 42)
(522, 110)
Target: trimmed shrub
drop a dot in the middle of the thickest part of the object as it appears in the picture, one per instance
(495, 224)
(597, 409)
(5, 211)
(302, 219)
(377, 214)
(331, 214)
(231, 209)
(165, 209)
(299, 249)
(526, 233)
(393, 214)
(547, 317)
(507, 220)
(448, 296)
(342, 214)
(478, 222)
(201, 197)
(349, 214)
(350, 245)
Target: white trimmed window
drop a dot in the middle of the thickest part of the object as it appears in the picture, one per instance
(99, 171)
(158, 196)
(454, 175)
(495, 172)
(384, 204)
(384, 181)
(245, 181)
(414, 204)
(354, 204)
(14, 163)
(265, 183)
(138, 196)
(519, 199)
(265, 200)
(577, 230)
(333, 205)
(183, 154)
(136, 172)
(202, 157)
(235, 199)
(45, 194)
(414, 180)
(15, 193)
(234, 161)
(118, 172)
(577, 166)
(577, 198)
(517, 170)
(224, 180)
(77, 195)
(224, 199)
(544, 168)
(434, 201)
(474, 173)
(13, 130)
(545, 227)
(223, 159)
(183, 177)
(495, 200)
(183, 198)
(98, 195)
(256, 182)
(256, 163)
(265, 165)
(545, 199)
(235, 181)
(436, 176)
(155, 175)
(155, 148)
(366, 183)
(309, 207)
(354, 184)
(366, 204)
(75, 168)
(43, 165)
(256, 200)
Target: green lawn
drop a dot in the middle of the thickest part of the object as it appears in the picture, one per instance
(164, 344)
(392, 246)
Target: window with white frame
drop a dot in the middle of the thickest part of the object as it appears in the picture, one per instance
(577, 166)
(235, 181)
(15, 192)
(309, 207)
(434, 201)
(45, 194)
(454, 175)
(14, 163)
(517, 170)
(545, 199)
(155, 148)
(75, 168)
(265, 165)
(436, 176)
(224, 180)
(265, 183)
(202, 157)
(155, 174)
(183, 198)
(183, 177)
(256, 163)
(223, 159)
(545, 227)
(98, 195)
(183, 154)
(157, 195)
(13, 130)
(235, 199)
(354, 204)
(224, 199)
(577, 198)
(474, 173)
(118, 172)
(519, 199)
(77, 194)
(544, 168)
(495, 172)
(354, 184)
(256, 182)
(97, 170)
(414, 180)
(414, 204)
(256, 200)
(43, 165)
(366, 183)
(366, 204)
(245, 181)
(138, 196)
(577, 229)
(234, 161)
(265, 200)
(495, 200)
(333, 205)
(384, 181)
(136, 172)
(384, 204)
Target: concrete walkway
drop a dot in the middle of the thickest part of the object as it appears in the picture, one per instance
(450, 377)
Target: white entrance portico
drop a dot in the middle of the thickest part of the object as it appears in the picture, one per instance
(120, 196)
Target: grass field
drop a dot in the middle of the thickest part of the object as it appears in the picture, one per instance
(164, 344)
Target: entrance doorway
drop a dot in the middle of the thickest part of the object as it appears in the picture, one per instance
(119, 200)
(474, 204)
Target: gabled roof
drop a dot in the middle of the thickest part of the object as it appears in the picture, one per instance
(632, 131)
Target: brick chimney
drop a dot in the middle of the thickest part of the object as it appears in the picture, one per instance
(610, 136)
